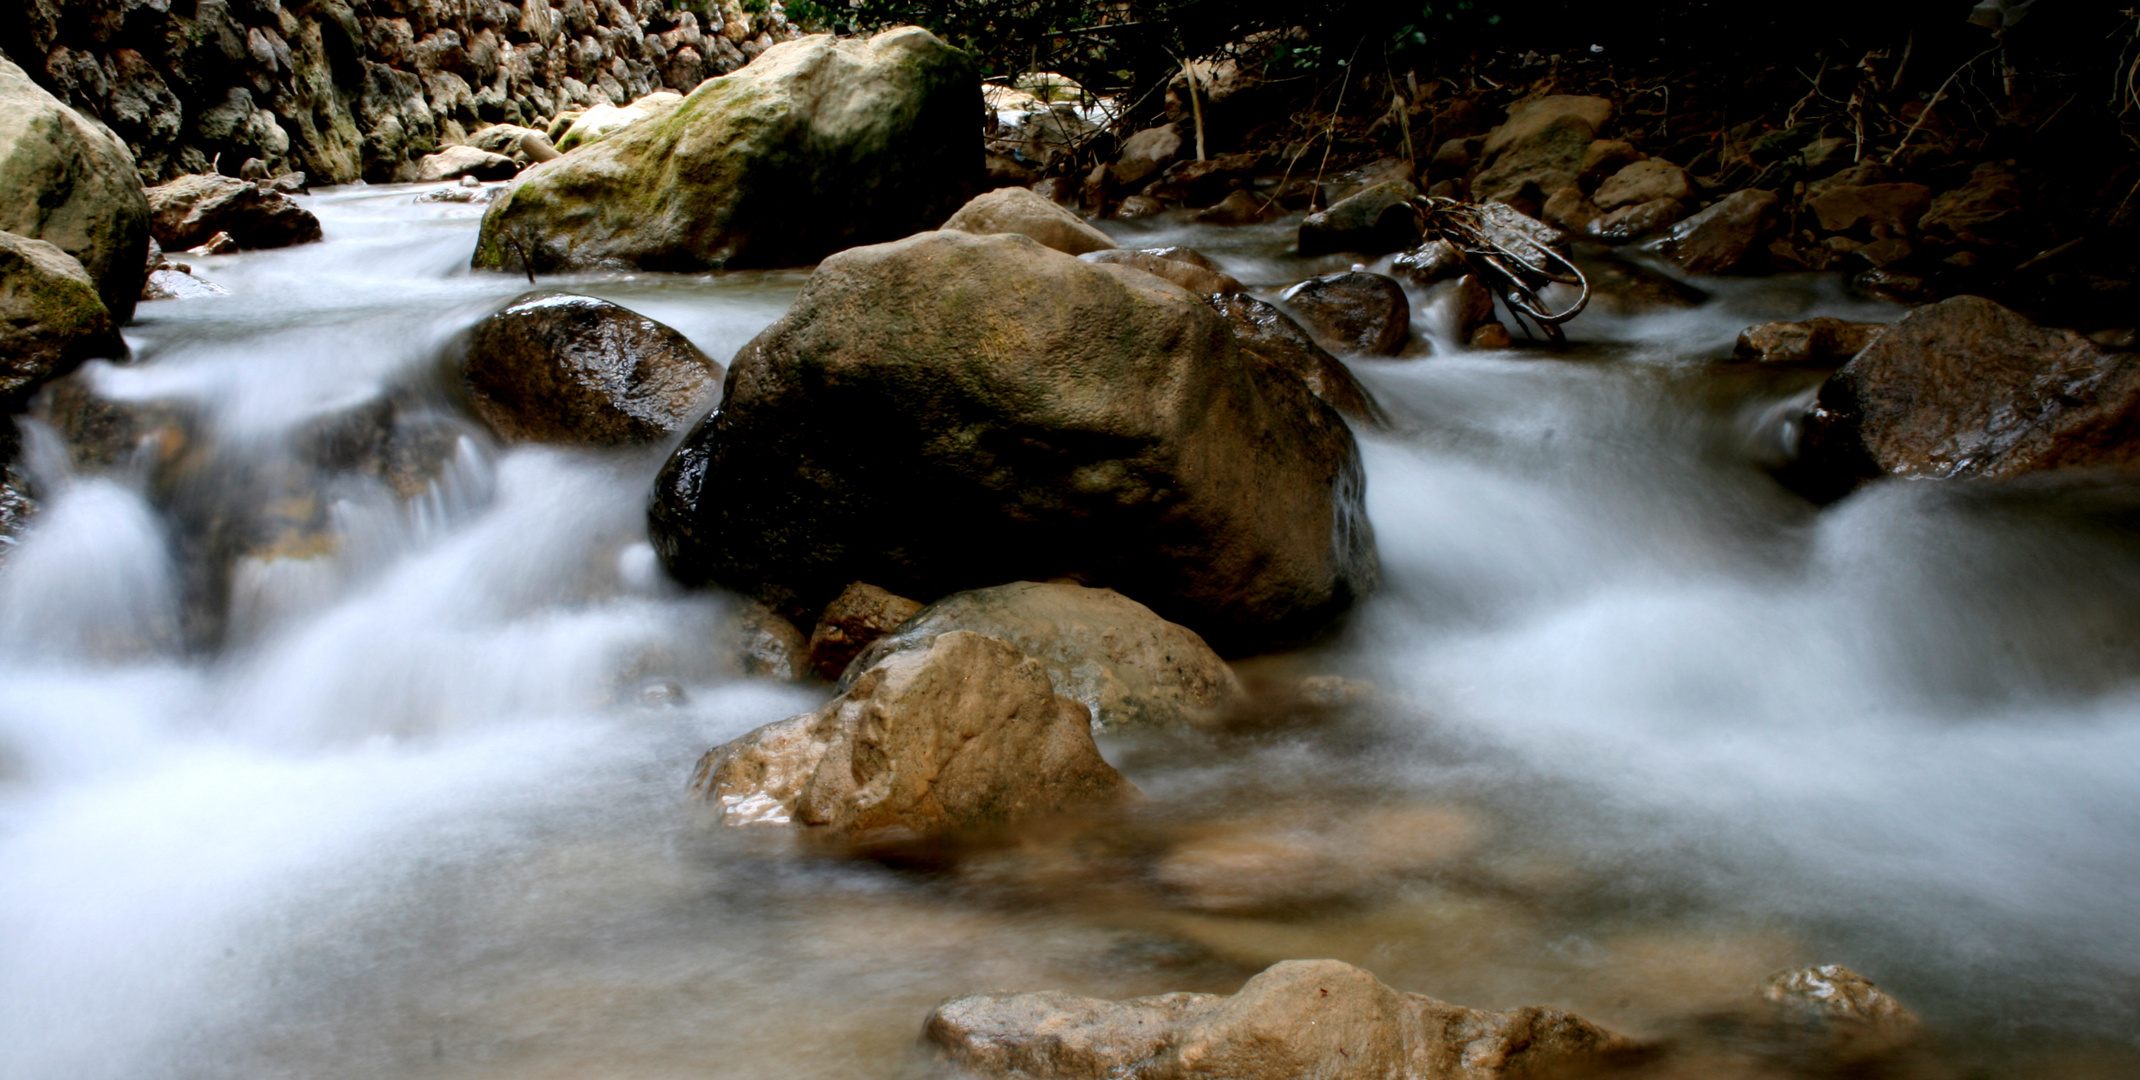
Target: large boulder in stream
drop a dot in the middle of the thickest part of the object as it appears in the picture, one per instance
(1018, 210)
(818, 145)
(1967, 388)
(561, 368)
(71, 183)
(50, 318)
(190, 210)
(1272, 336)
(952, 411)
(965, 734)
(1133, 669)
(1299, 1019)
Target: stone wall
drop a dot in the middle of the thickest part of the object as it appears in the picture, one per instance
(349, 89)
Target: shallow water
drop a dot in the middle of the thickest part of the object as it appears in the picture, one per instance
(1632, 727)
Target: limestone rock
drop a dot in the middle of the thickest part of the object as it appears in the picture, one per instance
(556, 367)
(192, 209)
(1859, 208)
(1353, 312)
(1239, 207)
(455, 162)
(1298, 1020)
(175, 284)
(1859, 1018)
(855, 620)
(1641, 182)
(1965, 387)
(1270, 335)
(938, 414)
(1637, 221)
(817, 145)
(524, 145)
(1374, 221)
(1541, 149)
(1144, 154)
(1129, 667)
(1814, 341)
(1139, 206)
(962, 735)
(50, 318)
(1725, 238)
(602, 121)
(70, 183)
(1188, 275)
(1018, 210)
(765, 644)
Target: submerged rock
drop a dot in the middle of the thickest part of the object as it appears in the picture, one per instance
(854, 620)
(556, 367)
(1270, 335)
(818, 145)
(192, 210)
(1319, 1019)
(71, 183)
(1965, 387)
(964, 734)
(1131, 668)
(938, 414)
(1018, 210)
(1353, 312)
(50, 318)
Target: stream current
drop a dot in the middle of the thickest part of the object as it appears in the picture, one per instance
(1629, 728)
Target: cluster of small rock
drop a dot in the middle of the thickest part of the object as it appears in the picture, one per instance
(350, 89)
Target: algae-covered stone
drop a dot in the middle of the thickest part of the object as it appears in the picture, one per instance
(818, 145)
(50, 317)
(72, 184)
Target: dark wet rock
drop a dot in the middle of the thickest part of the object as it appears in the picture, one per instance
(852, 622)
(1188, 274)
(455, 162)
(1139, 206)
(1569, 209)
(1966, 388)
(193, 209)
(1728, 237)
(961, 735)
(556, 367)
(1630, 223)
(1131, 668)
(1814, 341)
(1987, 211)
(1353, 312)
(70, 183)
(1270, 335)
(1604, 158)
(818, 145)
(1203, 183)
(1492, 335)
(1893, 283)
(1541, 149)
(1620, 287)
(1374, 221)
(1242, 207)
(1017, 210)
(1351, 182)
(999, 171)
(764, 644)
(1436, 260)
(1857, 1018)
(51, 318)
(1864, 208)
(938, 414)
(1641, 182)
(1299, 1018)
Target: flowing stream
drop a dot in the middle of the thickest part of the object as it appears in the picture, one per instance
(1629, 728)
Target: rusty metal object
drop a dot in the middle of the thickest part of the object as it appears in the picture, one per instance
(1512, 254)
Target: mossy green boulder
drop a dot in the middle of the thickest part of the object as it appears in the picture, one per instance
(71, 183)
(50, 318)
(818, 145)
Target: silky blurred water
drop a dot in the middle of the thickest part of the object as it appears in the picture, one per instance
(1633, 727)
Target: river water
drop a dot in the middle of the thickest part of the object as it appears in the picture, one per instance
(1629, 728)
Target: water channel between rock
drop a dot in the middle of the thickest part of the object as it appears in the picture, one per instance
(1630, 727)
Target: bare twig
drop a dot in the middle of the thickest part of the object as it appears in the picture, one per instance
(1330, 133)
(1937, 95)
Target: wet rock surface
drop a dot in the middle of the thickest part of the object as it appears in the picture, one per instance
(1814, 341)
(192, 210)
(1726, 238)
(1196, 277)
(1299, 1018)
(935, 414)
(965, 734)
(1967, 388)
(819, 145)
(1270, 335)
(852, 622)
(1353, 312)
(1132, 669)
(50, 318)
(1374, 221)
(558, 367)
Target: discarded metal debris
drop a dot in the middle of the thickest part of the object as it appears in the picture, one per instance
(1513, 255)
